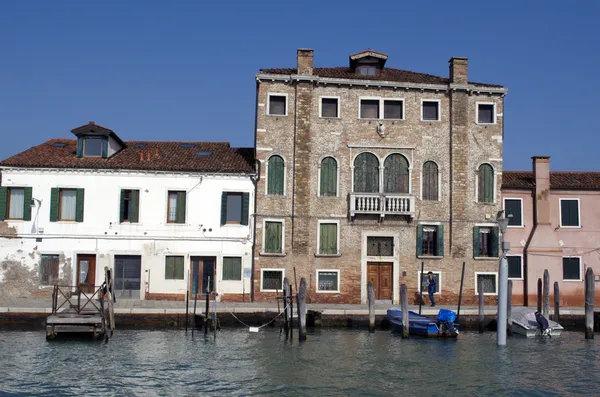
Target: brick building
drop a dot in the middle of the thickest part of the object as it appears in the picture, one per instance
(368, 171)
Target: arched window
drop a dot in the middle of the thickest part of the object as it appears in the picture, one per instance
(395, 174)
(485, 188)
(366, 173)
(430, 181)
(328, 187)
(275, 176)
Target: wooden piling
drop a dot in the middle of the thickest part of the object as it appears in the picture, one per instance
(589, 303)
(194, 314)
(509, 329)
(481, 296)
(207, 306)
(421, 287)
(286, 327)
(371, 291)
(302, 310)
(556, 303)
(539, 296)
(404, 308)
(187, 301)
(546, 296)
(291, 314)
(462, 278)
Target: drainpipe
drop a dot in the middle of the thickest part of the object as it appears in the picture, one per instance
(254, 180)
(526, 254)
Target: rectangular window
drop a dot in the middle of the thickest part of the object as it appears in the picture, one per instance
(569, 213)
(49, 269)
(328, 281)
(437, 276)
(277, 105)
(271, 279)
(232, 268)
(68, 205)
(380, 246)
(515, 267)
(328, 238)
(393, 109)
(430, 111)
(174, 268)
(176, 207)
(489, 282)
(16, 203)
(330, 107)
(273, 237)
(514, 211)
(485, 241)
(130, 204)
(369, 108)
(485, 113)
(92, 147)
(429, 240)
(571, 268)
(234, 208)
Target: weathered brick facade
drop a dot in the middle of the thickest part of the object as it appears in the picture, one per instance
(457, 143)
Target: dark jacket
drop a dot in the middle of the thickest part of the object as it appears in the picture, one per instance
(431, 286)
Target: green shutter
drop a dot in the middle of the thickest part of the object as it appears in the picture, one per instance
(273, 237)
(223, 208)
(80, 193)
(419, 240)
(134, 206)
(122, 208)
(328, 238)
(486, 184)
(232, 268)
(178, 270)
(476, 242)
(366, 173)
(245, 208)
(395, 174)
(275, 176)
(494, 242)
(169, 265)
(104, 148)
(80, 147)
(440, 240)
(328, 183)
(3, 200)
(180, 215)
(27, 203)
(54, 193)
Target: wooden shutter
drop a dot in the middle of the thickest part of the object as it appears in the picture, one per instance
(122, 208)
(223, 208)
(328, 177)
(232, 268)
(54, 195)
(169, 265)
(366, 173)
(494, 241)
(430, 181)
(395, 174)
(273, 237)
(476, 242)
(180, 214)
(486, 184)
(440, 240)
(419, 240)
(328, 238)
(275, 176)
(80, 147)
(3, 201)
(245, 208)
(178, 268)
(27, 203)
(80, 193)
(134, 206)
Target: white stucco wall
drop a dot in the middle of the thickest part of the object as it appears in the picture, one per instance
(152, 238)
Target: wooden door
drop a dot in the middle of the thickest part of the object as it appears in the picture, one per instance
(86, 272)
(381, 275)
(203, 275)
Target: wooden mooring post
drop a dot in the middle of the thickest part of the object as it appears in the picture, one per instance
(556, 303)
(509, 329)
(302, 310)
(291, 313)
(187, 301)
(404, 308)
(589, 303)
(462, 278)
(286, 326)
(546, 307)
(480, 293)
(371, 291)
(539, 296)
(206, 319)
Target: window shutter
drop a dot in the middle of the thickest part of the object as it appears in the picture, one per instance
(80, 147)
(476, 242)
(419, 240)
(223, 208)
(440, 240)
(180, 215)
(134, 206)
(27, 194)
(178, 271)
(275, 176)
(169, 267)
(121, 211)
(104, 152)
(328, 177)
(80, 193)
(3, 200)
(494, 242)
(54, 193)
(245, 208)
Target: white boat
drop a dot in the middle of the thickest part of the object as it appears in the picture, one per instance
(524, 323)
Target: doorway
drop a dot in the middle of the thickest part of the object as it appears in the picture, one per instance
(128, 269)
(202, 280)
(381, 275)
(86, 273)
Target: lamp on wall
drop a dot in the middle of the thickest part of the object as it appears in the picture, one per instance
(35, 202)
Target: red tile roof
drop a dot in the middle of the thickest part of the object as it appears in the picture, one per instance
(386, 74)
(152, 156)
(558, 180)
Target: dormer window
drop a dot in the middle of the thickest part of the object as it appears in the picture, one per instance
(368, 62)
(92, 147)
(367, 70)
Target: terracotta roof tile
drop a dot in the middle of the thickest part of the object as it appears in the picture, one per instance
(386, 74)
(558, 180)
(140, 155)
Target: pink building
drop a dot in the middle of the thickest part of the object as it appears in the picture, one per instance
(555, 225)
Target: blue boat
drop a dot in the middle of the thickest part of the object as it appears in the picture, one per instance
(442, 327)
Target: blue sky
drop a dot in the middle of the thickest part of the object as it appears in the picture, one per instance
(184, 70)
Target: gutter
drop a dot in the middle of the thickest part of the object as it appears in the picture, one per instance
(526, 254)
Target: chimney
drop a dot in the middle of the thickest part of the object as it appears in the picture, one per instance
(305, 61)
(541, 174)
(142, 156)
(459, 70)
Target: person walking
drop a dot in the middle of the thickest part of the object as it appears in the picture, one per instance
(431, 284)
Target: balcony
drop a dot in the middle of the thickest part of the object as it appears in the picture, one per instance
(382, 204)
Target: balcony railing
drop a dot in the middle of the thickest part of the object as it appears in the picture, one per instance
(382, 204)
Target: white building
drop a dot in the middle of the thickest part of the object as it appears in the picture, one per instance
(165, 216)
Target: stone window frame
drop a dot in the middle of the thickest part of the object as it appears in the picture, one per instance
(521, 259)
(495, 181)
(486, 293)
(439, 181)
(266, 269)
(339, 107)
(494, 229)
(319, 222)
(284, 175)
(522, 225)
(578, 257)
(494, 116)
(381, 113)
(560, 200)
(268, 107)
(39, 265)
(438, 283)
(264, 225)
(317, 290)
(381, 170)
(337, 183)
(439, 103)
(439, 248)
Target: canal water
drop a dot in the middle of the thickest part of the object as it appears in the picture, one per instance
(332, 362)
